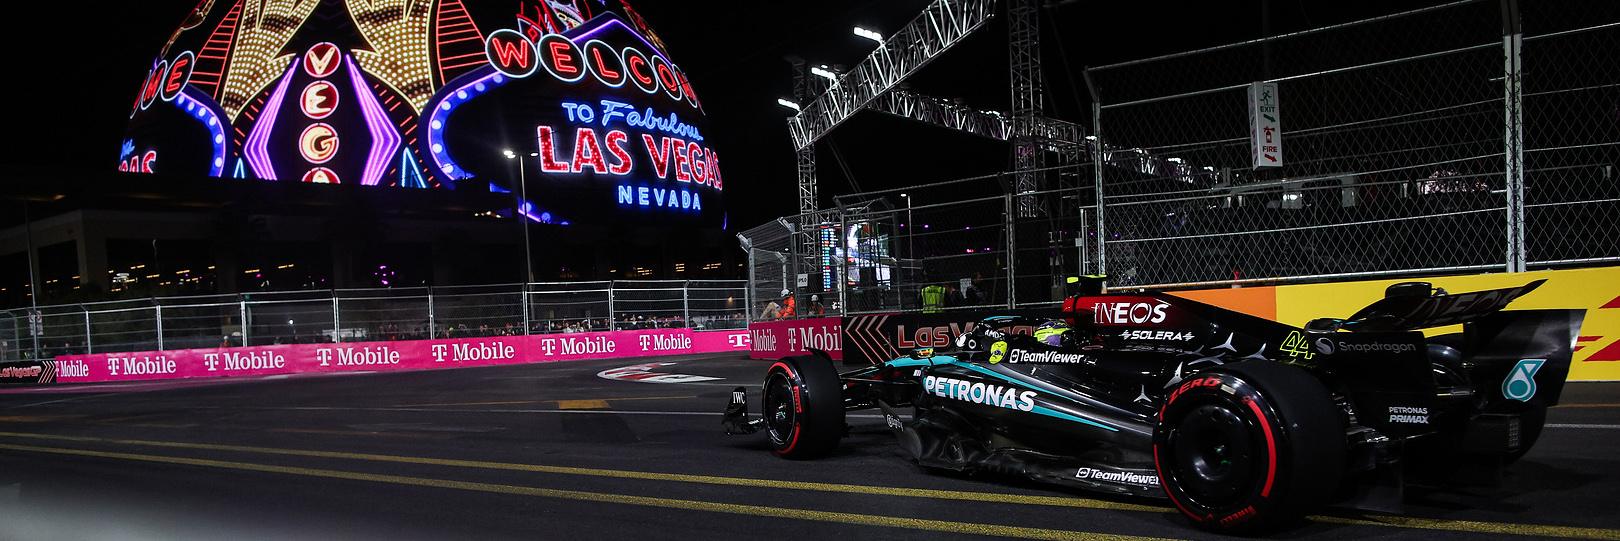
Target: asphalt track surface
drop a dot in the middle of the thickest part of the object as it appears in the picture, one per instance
(553, 451)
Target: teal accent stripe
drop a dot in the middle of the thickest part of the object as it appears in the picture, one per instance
(1058, 414)
(1038, 409)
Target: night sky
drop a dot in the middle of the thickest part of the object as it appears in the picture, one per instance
(75, 74)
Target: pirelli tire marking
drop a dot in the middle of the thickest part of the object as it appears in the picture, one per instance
(791, 439)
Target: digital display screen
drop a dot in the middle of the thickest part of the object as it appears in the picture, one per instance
(574, 107)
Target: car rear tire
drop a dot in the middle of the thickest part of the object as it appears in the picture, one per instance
(1249, 446)
(803, 404)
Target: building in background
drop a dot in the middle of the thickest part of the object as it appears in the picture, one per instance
(295, 145)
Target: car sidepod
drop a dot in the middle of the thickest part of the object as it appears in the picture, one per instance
(1007, 419)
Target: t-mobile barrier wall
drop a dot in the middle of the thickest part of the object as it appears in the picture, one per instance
(419, 354)
(867, 339)
(778, 339)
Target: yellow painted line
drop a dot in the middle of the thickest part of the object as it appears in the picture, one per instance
(36, 418)
(1057, 501)
(1470, 526)
(602, 403)
(121, 421)
(670, 503)
(625, 474)
(581, 404)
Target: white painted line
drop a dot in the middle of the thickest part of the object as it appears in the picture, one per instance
(644, 373)
(1572, 425)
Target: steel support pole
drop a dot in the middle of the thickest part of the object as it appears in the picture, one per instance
(33, 282)
(1513, 136)
(158, 315)
(1097, 186)
(242, 316)
(1010, 225)
(524, 297)
(337, 323)
(843, 263)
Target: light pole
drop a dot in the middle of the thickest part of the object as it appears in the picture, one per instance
(869, 34)
(35, 324)
(523, 215)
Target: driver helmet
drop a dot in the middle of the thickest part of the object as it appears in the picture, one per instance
(1053, 333)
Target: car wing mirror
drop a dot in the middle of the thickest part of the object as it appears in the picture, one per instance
(1326, 324)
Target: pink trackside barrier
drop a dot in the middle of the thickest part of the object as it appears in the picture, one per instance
(406, 355)
(778, 339)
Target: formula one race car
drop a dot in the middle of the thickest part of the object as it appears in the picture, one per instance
(1243, 423)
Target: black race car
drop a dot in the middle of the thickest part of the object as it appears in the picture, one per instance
(1243, 423)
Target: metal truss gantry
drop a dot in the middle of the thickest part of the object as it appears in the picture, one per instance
(872, 85)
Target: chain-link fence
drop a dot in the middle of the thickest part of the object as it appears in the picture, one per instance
(1399, 149)
(353, 315)
(1476, 136)
(945, 246)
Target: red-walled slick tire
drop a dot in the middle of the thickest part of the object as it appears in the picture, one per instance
(803, 404)
(1249, 446)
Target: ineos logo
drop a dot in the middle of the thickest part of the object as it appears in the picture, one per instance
(1126, 312)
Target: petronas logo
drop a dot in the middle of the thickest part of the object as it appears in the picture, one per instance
(1521, 382)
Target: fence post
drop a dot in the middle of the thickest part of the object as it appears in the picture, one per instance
(525, 298)
(1513, 139)
(748, 289)
(431, 320)
(1097, 173)
(158, 315)
(1010, 225)
(686, 303)
(792, 272)
(242, 314)
(337, 322)
(613, 324)
(843, 264)
(87, 346)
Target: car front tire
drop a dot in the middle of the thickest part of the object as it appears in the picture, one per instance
(803, 405)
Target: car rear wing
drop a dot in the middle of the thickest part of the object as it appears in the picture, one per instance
(1409, 306)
